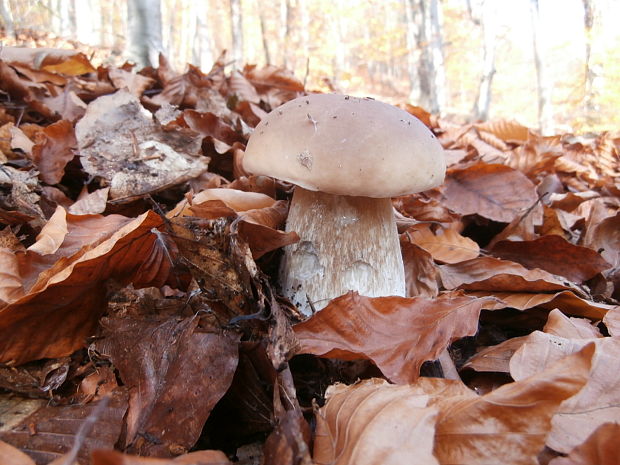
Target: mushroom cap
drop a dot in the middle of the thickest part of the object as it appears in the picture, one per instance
(346, 145)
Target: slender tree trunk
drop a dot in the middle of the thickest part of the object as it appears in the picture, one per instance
(202, 53)
(263, 30)
(424, 22)
(545, 110)
(144, 37)
(589, 73)
(488, 24)
(304, 31)
(286, 19)
(236, 29)
(7, 18)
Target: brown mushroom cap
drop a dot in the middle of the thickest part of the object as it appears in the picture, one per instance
(346, 145)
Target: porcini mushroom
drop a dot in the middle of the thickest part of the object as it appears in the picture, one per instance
(347, 157)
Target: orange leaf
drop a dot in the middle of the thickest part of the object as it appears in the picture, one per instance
(398, 334)
(601, 448)
(444, 244)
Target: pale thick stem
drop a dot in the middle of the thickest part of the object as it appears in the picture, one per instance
(346, 243)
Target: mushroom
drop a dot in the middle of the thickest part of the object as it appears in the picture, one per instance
(347, 157)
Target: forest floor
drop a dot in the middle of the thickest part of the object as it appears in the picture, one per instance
(140, 314)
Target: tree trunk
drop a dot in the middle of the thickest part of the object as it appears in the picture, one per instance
(263, 30)
(589, 73)
(7, 18)
(286, 19)
(236, 30)
(424, 24)
(144, 37)
(488, 24)
(545, 110)
(202, 54)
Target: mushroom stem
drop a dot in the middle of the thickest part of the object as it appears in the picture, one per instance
(346, 243)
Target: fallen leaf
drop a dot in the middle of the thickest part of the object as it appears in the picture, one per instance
(374, 422)
(599, 400)
(601, 447)
(555, 255)
(397, 333)
(444, 244)
(509, 424)
(492, 274)
(202, 457)
(63, 307)
(51, 431)
(561, 325)
(493, 191)
(54, 147)
(166, 366)
(421, 273)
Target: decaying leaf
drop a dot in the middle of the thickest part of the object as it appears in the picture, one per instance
(602, 447)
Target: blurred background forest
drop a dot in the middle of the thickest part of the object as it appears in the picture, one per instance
(549, 64)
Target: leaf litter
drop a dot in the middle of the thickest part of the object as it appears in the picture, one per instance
(140, 316)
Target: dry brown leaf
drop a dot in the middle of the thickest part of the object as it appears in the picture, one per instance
(133, 82)
(54, 147)
(90, 203)
(493, 191)
(509, 424)
(566, 301)
(164, 365)
(11, 283)
(202, 457)
(374, 422)
(555, 255)
(68, 62)
(506, 130)
(421, 274)
(52, 235)
(612, 321)
(424, 209)
(601, 448)
(561, 325)
(492, 274)
(397, 333)
(51, 431)
(62, 309)
(444, 244)
(13, 456)
(604, 236)
(599, 400)
(495, 358)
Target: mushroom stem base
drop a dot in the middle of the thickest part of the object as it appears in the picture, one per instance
(346, 243)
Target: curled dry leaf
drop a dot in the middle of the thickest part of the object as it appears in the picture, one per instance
(509, 424)
(90, 203)
(599, 400)
(602, 448)
(11, 284)
(62, 308)
(374, 422)
(52, 235)
(444, 244)
(555, 255)
(612, 321)
(566, 301)
(561, 325)
(397, 333)
(54, 147)
(493, 191)
(492, 274)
